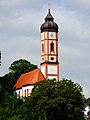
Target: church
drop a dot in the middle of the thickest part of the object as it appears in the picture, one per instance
(49, 67)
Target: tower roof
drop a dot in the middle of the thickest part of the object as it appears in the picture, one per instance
(49, 23)
(29, 78)
(49, 17)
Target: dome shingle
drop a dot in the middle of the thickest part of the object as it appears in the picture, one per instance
(49, 23)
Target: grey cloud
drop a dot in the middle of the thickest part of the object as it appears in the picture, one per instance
(74, 46)
(82, 6)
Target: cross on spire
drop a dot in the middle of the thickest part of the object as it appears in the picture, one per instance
(48, 4)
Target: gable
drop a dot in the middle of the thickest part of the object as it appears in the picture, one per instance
(29, 78)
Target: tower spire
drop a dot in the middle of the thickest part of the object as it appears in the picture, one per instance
(49, 5)
(49, 47)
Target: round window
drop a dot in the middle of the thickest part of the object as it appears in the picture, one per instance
(52, 58)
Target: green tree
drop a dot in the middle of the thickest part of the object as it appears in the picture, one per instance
(10, 107)
(15, 118)
(2, 90)
(16, 69)
(88, 102)
(21, 66)
(51, 100)
(6, 87)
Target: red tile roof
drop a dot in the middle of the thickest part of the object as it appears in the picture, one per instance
(29, 78)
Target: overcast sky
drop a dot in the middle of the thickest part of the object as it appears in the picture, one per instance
(20, 22)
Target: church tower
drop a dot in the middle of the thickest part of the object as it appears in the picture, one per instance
(49, 48)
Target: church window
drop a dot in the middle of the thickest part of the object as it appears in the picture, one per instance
(25, 93)
(52, 58)
(52, 46)
(42, 59)
(19, 94)
(42, 47)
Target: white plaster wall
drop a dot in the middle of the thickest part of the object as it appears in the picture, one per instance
(46, 47)
(52, 77)
(42, 36)
(17, 92)
(46, 58)
(55, 47)
(52, 60)
(52, 69)
(49, 46)
(43, 70)
(22, 91)
(45, 34)
(30, 87)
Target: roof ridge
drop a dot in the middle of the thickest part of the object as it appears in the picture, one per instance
(29, 78)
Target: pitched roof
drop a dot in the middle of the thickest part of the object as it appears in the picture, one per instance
(29, 78)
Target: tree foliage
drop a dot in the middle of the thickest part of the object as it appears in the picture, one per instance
(8, 101)
(17, 68)
(10, 107)
(51, 100)
(88, 102)
(21, 66)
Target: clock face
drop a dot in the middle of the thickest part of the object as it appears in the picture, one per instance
(51, 35)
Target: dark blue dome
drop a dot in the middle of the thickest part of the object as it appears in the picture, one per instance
(49, 23)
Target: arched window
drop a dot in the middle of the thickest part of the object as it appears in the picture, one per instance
(52, 46)
(19, 94)
(42, 47)
(25, 93)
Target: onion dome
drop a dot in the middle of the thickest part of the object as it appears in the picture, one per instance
(49, 23)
